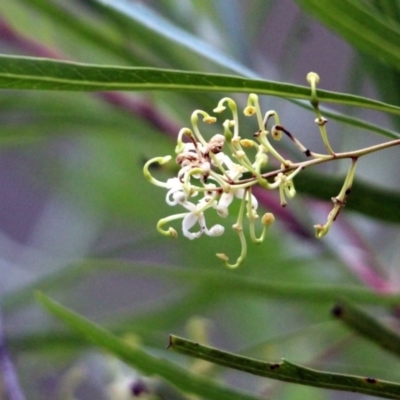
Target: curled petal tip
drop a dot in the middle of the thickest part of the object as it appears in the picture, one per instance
(216, 230)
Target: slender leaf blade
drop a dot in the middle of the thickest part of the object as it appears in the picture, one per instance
(140, 359)
(367, 326)
(360, 25)
(167, 38)
(47, 74)
(220, 281)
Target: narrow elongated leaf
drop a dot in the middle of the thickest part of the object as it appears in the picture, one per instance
(47, 74)
(360, 25)
(220, 281)
(287, 371)
(356, 122)
(367, 326)
(138, 358)
(83, 29)
(142, 22)
(165, 37)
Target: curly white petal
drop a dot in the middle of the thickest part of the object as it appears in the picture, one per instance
(216, 230)
(188, 222)
(223, 204)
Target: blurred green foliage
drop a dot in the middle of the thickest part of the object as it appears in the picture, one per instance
(79, 220)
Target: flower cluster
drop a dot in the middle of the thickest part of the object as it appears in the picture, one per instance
(213, 173)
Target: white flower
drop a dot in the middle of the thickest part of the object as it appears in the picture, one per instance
(219, 178)
(191, 219)
(175, 194)
(196, 215)
(226, 199)
(234, 170)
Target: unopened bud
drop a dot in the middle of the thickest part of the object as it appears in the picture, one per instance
(313, 78)
(268, 219)
(247, 143)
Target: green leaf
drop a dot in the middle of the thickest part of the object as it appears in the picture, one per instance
(219, 280)
(287, 371)
(360, 25)
(83, 28)
(47, 74)
(350, 120)
(173, 44)
(138, 358)
(367, 326)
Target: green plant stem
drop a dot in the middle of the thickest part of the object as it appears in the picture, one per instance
(332, 157)
(349, 18)
(287, 371)
(366, 325)
(365, 198)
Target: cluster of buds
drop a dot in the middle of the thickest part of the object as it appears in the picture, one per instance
(213, 173)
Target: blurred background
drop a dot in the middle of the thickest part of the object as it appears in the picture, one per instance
(78, 220)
